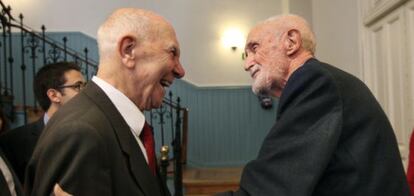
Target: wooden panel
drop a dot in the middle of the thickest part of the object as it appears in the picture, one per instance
(396, 65)
(374, 9)
(410, 65)
(207, 181)
(388, 68)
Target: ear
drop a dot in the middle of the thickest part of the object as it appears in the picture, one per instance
(54, 95)
(293, 41)
(127, 49)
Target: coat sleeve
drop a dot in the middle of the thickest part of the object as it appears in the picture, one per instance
(72, 155)
(300, 145)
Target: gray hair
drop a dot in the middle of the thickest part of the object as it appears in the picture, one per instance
(296, 22)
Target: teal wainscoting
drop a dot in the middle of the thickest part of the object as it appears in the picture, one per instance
(226, 124)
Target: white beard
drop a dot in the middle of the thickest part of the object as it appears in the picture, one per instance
(267, 81)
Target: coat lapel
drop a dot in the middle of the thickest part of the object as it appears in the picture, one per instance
(137, 163)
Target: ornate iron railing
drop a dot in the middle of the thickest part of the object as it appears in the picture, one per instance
(23, 51)
(171, 115)
(36, 49)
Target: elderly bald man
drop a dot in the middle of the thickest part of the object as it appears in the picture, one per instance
(331, 137)
(92, 146)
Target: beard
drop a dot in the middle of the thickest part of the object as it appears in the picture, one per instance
(269, 80)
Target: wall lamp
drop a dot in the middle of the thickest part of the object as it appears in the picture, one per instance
(233, 38)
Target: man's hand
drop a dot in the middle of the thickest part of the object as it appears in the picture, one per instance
(58, 191)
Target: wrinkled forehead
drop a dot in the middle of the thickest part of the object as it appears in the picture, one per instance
(259, 32)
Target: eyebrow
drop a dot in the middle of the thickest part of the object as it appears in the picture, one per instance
(175, 49)
(249, 45)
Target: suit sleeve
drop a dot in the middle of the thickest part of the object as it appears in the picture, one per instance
(300, 145)
(72, 155)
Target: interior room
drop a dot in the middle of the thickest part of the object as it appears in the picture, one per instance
(219, 121)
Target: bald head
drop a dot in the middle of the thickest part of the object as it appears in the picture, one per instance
(283, 23)
(139, 55)
(139, 23)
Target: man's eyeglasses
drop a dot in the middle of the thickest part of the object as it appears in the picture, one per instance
(78, 86)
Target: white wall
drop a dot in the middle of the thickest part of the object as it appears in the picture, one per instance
(335, 24)
(200, 23)
(62, 15)
(302, 8)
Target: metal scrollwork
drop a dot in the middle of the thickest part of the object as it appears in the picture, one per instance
(54, 55)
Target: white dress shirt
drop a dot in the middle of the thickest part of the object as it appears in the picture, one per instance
(45, 118)
(129, 111)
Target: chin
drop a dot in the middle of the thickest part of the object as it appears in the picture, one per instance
(156, 98)
(156, 103)
(257, 88)
(261, 91)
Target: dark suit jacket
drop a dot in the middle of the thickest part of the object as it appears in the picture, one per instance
(88, 149)
(331, 139)
(18, 145)
(4, 190)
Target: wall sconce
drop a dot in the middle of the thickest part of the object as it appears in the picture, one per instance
(233, 38)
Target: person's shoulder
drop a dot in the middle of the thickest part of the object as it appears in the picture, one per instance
(18, 131)
(332, 71)
(311, 73)
(316, 67)
(24, 135)
(77, 119)
(74, 132)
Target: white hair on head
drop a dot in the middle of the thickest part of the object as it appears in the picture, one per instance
(299, 23)
(124, 21)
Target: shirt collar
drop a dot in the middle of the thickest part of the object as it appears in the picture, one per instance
(129, 111)
(45, 118)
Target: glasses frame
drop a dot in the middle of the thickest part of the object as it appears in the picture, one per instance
(78, 86)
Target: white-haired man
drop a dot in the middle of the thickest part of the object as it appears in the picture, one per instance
(94, 145)
(331, 137)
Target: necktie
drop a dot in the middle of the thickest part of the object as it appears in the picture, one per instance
(147, 138)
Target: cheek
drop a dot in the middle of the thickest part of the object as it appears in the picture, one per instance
(263, 58)
(164, 62)
(70, 95)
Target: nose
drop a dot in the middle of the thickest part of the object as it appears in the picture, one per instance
(179, 71)
(249, 62)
